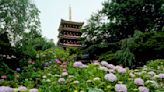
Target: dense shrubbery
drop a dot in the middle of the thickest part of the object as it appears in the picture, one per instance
(92, 77)
(126, 32)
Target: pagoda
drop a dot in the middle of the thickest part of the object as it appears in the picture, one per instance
(69, 33)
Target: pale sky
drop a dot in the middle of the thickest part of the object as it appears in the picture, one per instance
(52, 11)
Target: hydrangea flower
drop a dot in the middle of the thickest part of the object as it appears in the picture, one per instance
(3, 76)
(97, 78)
(58, 61)
(161, 76)
(131, 75)
(96, 63)
(79, 65)
(64, 73)
(143, 89)
(103, 68)
(111, 66)
(18, 69)
(5, 89)
(48, 80)
(64, 70)
(121, 70)
(89, 81)
(76, 82)
(33, 90)
(104, 63)
(22, 88)
(120, 88)
(71, 76)
(111, 71)
(151, 73)
(117, 68)
(44, 77)
(139, 81)
(61, 80)
(156, 76)
(110, 77)
(153, 83)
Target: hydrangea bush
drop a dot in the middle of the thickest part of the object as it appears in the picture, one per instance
(99, 77)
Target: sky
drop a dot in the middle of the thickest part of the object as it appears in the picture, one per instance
(52, 11)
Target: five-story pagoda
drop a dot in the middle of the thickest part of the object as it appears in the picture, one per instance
(69, 33)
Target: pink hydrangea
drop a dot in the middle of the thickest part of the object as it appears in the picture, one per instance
(161, 76)
(58, 61)
(22, 88)
(143, 89)
(3, 76)
(5, 89)
(139, 81)
(33, 90)
(110, 77)
(120, 88)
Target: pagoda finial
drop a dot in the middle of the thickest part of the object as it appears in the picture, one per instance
(70, 13)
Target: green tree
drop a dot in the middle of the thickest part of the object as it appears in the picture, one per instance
(126, 16)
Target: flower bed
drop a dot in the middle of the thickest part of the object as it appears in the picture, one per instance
(96, 77)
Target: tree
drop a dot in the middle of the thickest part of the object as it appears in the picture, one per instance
(20, 32)
(126, 16)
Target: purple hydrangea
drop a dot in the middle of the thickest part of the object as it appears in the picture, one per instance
(121, 70)
(139, 81)
(161, 76)
(79, 64)
(33, 90)
(22, 88)
(111, 66)
(5, 89)
(143, 89)
(110, 77)
(120, 88)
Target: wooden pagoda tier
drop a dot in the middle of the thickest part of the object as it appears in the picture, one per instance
(69, 33)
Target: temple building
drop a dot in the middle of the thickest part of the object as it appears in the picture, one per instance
(69, 33)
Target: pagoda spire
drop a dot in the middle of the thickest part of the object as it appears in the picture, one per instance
(70, 13)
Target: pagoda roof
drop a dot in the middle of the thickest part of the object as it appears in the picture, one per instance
(71, 22)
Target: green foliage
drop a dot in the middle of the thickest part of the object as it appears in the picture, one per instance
(137, 25)
(20, 34)
(155, 63)
(125, 57)
(109, 56)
